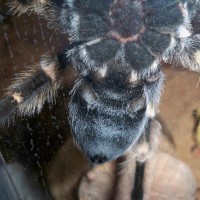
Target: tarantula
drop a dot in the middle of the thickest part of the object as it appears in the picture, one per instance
(116, 46)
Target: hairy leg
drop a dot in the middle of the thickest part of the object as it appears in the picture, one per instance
(32, 88)
(23, 6)
(131, 175)
(186, 53)
(56, 12)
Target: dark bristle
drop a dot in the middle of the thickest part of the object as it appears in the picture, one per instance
(138, 191)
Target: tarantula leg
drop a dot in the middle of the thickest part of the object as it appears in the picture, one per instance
(138, 191)
(130, 177)
(147, 147)
(56, 12)
(22, 6)
(186, 53)
(31, 2)
(32, 88)
(149, 141)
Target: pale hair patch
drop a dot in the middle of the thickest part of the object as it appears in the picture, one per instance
(183, 32)
(43, 1)
(95, 41)
(154, 66)
(102, 72)
(50, 69)
(133, 77)
(150, 112)
(17, 96)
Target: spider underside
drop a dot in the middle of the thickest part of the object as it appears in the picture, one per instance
(116, 48)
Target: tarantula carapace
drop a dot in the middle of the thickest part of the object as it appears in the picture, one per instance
(117, 47)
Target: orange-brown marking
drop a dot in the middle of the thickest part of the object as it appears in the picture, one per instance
(128, 39)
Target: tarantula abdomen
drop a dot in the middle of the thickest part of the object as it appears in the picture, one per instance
(108, 113)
